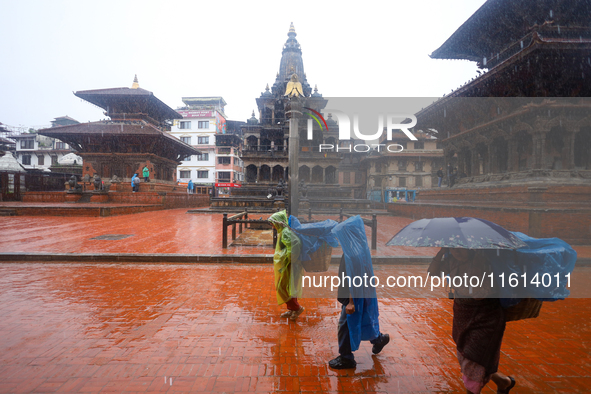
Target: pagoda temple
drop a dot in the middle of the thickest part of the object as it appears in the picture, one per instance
(136, 135)
(519, 134)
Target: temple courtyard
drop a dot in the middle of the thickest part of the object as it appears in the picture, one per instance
(137, 324)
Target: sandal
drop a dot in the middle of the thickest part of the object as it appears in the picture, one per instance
(506, 391)
(286, 314)
(295, 314)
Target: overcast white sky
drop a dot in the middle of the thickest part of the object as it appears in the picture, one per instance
(225, 48)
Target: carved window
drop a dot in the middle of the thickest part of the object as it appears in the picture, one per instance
(358, 176)
(346, 177)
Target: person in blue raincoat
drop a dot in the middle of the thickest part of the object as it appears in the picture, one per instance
(190, 187)
(134, 183)
(359, 319)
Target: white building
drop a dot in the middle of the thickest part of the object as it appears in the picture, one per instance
(35, 151)
(203, 117)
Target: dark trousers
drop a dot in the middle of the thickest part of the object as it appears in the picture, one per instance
(345, 339)
(293, 304)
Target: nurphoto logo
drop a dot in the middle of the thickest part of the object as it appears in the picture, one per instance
(392, 122)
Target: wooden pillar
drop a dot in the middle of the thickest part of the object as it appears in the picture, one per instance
(225, 231)
(374, 231)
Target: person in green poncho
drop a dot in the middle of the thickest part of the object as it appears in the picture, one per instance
(288, 279)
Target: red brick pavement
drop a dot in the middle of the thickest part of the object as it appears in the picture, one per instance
(215, 328)
(170, 231)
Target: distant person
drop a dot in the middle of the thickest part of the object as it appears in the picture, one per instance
(135, 183)
(146, 173)
(190, 187)
(439, 176)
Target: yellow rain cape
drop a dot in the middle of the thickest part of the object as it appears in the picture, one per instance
(288, 270)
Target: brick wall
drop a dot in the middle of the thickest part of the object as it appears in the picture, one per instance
(510, 194)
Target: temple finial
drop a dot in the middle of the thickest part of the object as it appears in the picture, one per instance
(266, 89)
(135, 84)
(291, 32)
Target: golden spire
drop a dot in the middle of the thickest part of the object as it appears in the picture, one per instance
(135, 84)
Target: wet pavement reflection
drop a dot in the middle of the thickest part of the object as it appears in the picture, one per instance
(216, 328)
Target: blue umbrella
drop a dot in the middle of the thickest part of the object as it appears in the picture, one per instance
(467, 233)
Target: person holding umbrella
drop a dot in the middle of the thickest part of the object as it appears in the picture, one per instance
(478, 321)
(478, 317)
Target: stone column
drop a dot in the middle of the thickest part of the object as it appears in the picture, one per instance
(295, 107)
(475, 166)
(539, 142)
(570, 155)
(488, 161)
(513, 161)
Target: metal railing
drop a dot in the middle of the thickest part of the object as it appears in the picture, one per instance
(240, 219)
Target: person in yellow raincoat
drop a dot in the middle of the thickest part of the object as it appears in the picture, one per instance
(288, 278)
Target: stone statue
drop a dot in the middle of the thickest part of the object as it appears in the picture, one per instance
(86, 178)
(73, 182)
(280, 188)
(115, 179)
(303, 189)
(97, 183)
(294, 87)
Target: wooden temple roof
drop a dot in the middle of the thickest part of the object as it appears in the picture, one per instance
(79, 135)
(131, 101)
(500, 23)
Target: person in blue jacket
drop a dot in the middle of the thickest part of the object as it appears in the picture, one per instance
(134, 183)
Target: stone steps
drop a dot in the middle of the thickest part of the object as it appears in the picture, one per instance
(7, 212)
